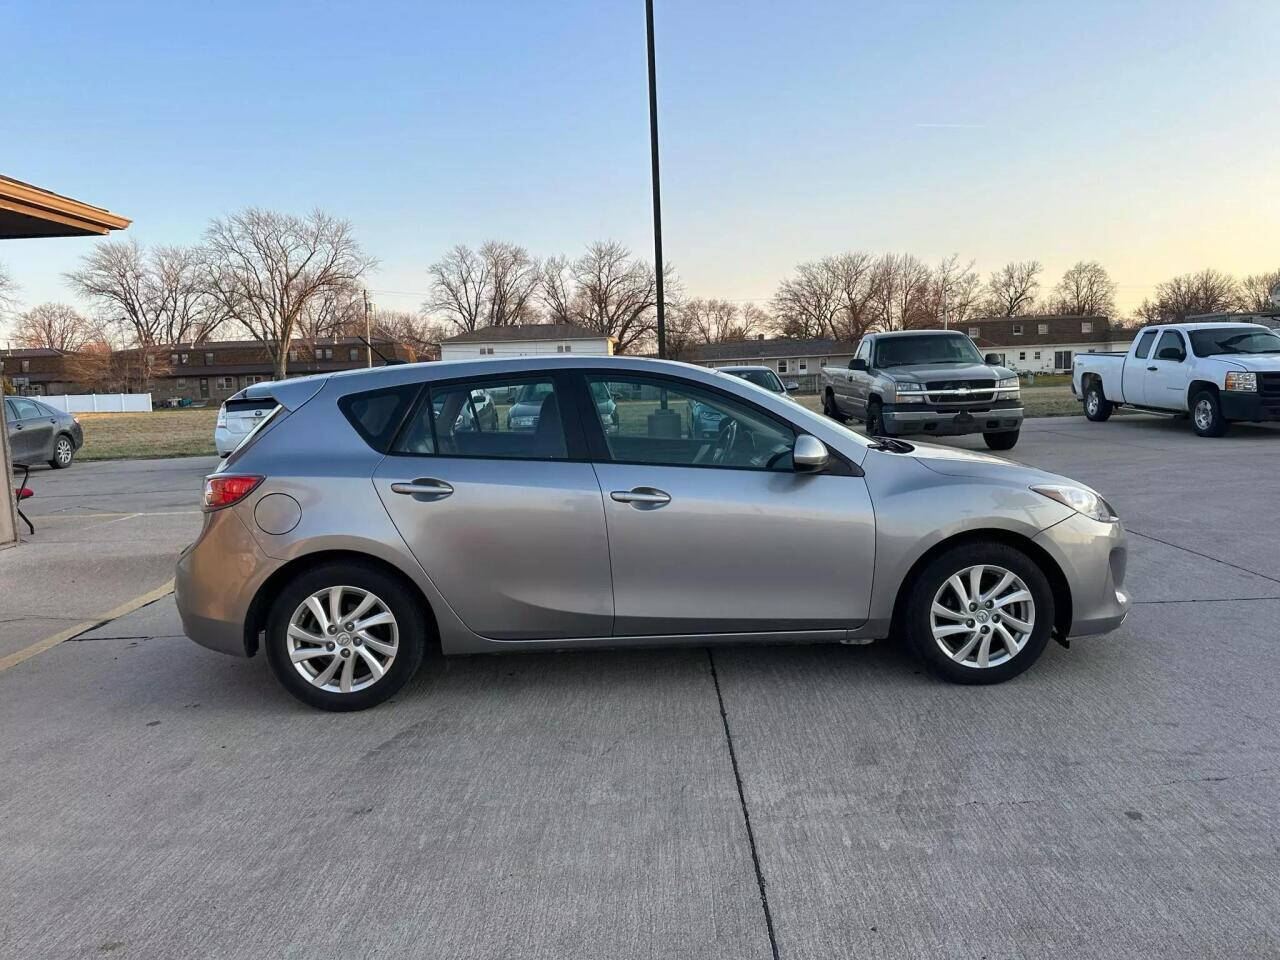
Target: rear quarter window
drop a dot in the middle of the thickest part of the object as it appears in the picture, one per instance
(377, 414)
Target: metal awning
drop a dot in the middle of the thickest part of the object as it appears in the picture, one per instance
(28, 211)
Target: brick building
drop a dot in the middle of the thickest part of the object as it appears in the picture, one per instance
(39, 372)
(1044, 344)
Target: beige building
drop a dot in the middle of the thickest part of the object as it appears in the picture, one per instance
(1044, 344)
(524, 340)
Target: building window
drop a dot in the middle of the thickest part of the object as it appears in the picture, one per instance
(26, 368)
(324, 353)
(354, 353)
(184, 358)
(1017, 329)
(1062, 359)
(1037, 354)
(975, 331)
(226, 383)
(1042, 329)
(173, 359)
(564, 348)
(782, 366)
(294, 354)
(1022, 354)
(208, 358)
(486, 351)
(1086, 326)
(802, 366)
(181, 383)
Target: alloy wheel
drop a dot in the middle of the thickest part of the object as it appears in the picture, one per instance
(982, 616)
(1091, 402)
(1204, 414)
(63, 451)
(342, 639)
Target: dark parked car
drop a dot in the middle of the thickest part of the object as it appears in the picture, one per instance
(523, 414)
(41, 434)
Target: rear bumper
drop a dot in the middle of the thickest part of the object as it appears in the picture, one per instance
(904, 419)
(1093, 557)
(1249, 406)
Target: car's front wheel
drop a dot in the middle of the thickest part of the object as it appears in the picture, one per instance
(875, 419)
(345, 636)
(64, 452)
(980, 613)
(1206, 414)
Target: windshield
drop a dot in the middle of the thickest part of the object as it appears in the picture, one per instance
(761, 378)
(1212, 343)
(927, 348)
(533, 392)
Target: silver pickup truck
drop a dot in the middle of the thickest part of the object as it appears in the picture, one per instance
(925, 383)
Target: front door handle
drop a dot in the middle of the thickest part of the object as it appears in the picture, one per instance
(424, 487)
(1153, 369)
(642, 496)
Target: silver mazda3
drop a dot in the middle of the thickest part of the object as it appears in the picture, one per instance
(369, 516)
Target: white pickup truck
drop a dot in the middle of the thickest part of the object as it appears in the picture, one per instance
(1217, 372)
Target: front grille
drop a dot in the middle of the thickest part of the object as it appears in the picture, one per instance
(1269, 384)
(961, 391)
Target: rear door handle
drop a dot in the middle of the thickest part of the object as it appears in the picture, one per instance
(644, 496)
(424, 487)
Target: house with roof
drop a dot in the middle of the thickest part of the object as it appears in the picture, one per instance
(526, 339)
(1044, 344)
(792, 359)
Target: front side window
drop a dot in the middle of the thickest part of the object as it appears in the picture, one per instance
(1170, 340)
(674, 424)
(506, 420)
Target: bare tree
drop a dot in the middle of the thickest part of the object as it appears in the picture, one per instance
(418, 336)
(55, 326)
(713, 321)
(954, 292)
(555, 290)
(807, 303)
(335, 311)
(901, 295)
(1085, 290)
(513, 283)
(459, 289)
(1011, 290)
(1255, 291)
(494, 286)
(854, 276)
(156, 296)
(266, 268)
(1190, 294)
(616, 294)
(8, 291)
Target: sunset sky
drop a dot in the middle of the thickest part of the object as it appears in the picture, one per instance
(1140, 135)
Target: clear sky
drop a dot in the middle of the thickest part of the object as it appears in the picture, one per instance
(1143, 135)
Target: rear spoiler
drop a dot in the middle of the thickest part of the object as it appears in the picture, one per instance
(290, 394)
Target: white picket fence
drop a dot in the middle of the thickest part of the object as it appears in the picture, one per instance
(101, 402)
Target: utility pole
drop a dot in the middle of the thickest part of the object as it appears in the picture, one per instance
(657, 189)
(368, 340)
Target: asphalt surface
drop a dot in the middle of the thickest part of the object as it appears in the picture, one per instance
(1119, 800)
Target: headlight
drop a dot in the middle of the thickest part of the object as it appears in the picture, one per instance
(1239, 380)
(904, 390)
(1080, 499)
(1009, 386)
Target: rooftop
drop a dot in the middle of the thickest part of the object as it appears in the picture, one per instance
(526, 331)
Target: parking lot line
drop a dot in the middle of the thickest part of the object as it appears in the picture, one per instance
(26, 653)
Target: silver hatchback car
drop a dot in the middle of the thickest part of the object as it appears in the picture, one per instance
(367, 518)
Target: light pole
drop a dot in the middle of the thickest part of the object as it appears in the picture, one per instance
(657, 188)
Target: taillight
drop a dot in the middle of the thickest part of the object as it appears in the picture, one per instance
(222, 417)
(224, 489)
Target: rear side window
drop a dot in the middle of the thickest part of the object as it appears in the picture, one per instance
(1144, 344)
(377, 414)
(517, 419)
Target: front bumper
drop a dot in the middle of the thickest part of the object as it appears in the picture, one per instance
(905, 419)
(215, 582)
(1238, 405)
(1092, 556)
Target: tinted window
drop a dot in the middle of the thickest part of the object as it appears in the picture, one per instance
(1169, 340)
(761, 378)
(467, 420)
(1144, 344)
(899, 351)
(1228, 340)
(675, 424)
(376, 414)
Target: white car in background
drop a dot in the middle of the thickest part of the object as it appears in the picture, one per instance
(238, 417)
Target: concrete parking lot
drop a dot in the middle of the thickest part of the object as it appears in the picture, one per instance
(1119, 800)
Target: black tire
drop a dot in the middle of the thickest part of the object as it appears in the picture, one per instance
(1002, 441)
(64, 452)
(393, 591)
(925, 586)
(830, 409)
(1096, 405)
(875, 419)
(1206, 415)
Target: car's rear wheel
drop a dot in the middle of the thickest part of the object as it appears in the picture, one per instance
(1206, 415)
(64, 451)
(345, 636)
(1096, 406)
(1002, 441)
(980, 613)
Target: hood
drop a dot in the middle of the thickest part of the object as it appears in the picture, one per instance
(947, 371)
(954, 462)
(1260, 362)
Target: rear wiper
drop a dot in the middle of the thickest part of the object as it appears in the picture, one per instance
(892, 445)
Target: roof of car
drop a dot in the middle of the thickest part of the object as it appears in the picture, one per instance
(914, 333)
(745, 366)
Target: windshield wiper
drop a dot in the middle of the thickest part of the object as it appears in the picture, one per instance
(892, 445)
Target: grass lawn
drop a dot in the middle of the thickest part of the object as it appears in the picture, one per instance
(161, 433)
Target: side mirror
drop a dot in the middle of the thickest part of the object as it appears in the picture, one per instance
(992, 359)
(791, 385)
(1171, 353)
(809, 454)
(857, 363)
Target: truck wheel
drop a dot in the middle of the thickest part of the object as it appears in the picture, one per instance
(980, 612)
(1002, 441)
(1206, 415)
(1096, 406)
(875, 420)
